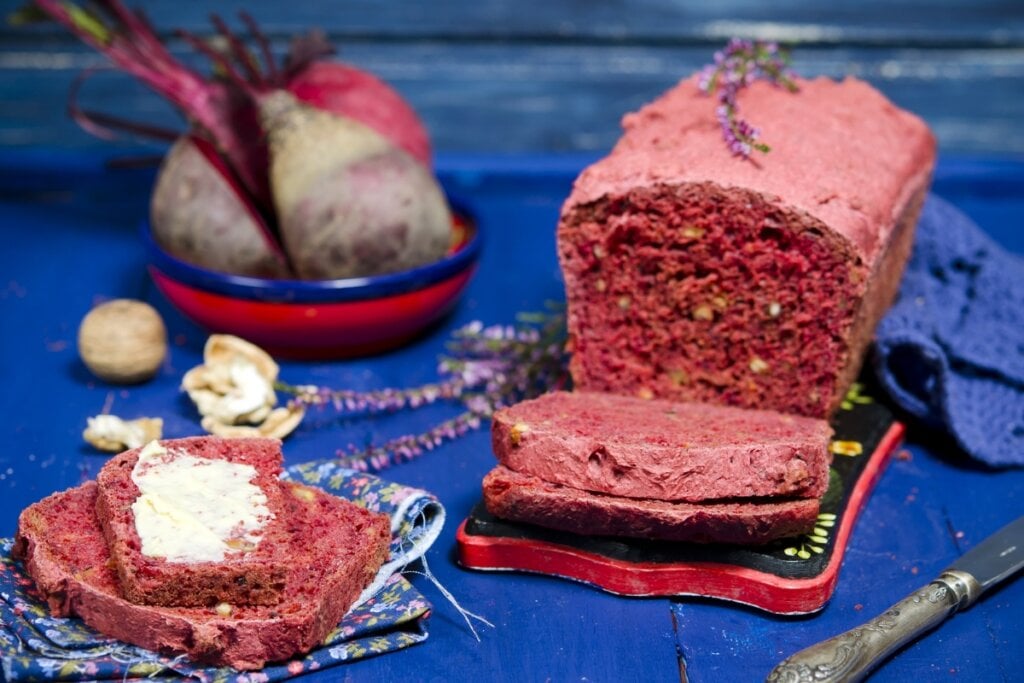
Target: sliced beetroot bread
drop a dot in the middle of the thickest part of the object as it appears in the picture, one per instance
(207, 556)
(524, 498)
(334, 550)
(697, 275)
(662, 450)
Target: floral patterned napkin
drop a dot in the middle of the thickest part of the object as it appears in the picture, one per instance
(388, 616)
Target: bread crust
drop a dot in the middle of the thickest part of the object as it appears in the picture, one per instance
(695, 275)
(664, 450)
(523, 498)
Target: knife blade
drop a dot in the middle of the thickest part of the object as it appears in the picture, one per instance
(852, 655)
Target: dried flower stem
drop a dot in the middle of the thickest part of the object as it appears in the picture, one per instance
(487, 368)
(741, 63)
(368, 402)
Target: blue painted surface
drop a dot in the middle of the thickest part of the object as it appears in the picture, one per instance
(556, 75)
(69, 230)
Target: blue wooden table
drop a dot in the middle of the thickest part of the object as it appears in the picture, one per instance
(545, 81)
(556, 75)
(69, 228)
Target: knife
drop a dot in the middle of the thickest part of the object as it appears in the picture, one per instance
(852, 655)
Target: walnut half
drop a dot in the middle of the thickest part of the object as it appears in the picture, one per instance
(112, 434)
(234, 390)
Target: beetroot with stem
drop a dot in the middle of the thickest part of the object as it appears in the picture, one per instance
(376, 210)
(212, 106)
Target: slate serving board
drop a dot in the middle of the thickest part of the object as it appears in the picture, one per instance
(789, 576)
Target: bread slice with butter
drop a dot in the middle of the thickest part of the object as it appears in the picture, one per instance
(334, 549)
(196, 522)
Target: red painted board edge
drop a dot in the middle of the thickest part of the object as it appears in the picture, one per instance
(705, 579)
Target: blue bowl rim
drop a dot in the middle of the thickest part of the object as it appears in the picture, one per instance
(318, 291)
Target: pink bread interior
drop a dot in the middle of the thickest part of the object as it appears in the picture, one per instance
(525, 498)
(333, 549)
(663, 450)
(252, 577)
(696, 275)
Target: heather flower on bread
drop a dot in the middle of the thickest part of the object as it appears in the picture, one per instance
(741, 63)
(487, 368)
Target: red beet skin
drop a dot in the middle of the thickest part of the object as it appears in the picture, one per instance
(523, 498)
(656, 449)
(348, 91)
(696, 275)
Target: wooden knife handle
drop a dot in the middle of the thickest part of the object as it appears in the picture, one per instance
(852, 655)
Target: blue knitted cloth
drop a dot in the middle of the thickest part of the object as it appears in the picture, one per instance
(951, 350)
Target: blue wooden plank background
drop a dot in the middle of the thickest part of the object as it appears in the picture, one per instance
(535, 76)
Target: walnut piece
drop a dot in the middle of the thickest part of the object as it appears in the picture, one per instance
(112, 434)
(234, 391)
(279, 423)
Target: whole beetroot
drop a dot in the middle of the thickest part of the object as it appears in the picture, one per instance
(352, 196)
(349, 202)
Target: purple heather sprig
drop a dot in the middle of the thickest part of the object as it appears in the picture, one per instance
(487, 368)
(741, 63)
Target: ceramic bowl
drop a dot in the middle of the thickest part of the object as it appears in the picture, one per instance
(320, 319)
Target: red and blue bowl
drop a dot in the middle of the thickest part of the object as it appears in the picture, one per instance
(320, 319)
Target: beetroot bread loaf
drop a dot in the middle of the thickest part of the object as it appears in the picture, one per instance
(696, 275)
(524, 498)
(221, 508)
(334, 550)
(663, 450)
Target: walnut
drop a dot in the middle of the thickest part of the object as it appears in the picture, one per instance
(703, 312)
(518, 431)
(234, 391)
(123, 341)
(303, 494)
(279, 423)
(112, 434)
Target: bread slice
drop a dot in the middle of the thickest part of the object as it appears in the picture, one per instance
(662, 450)
(524, 498)
(697, 275)
(247, 574)
(334, 550)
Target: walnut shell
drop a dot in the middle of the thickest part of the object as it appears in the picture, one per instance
(230, 405)
(123, 341)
